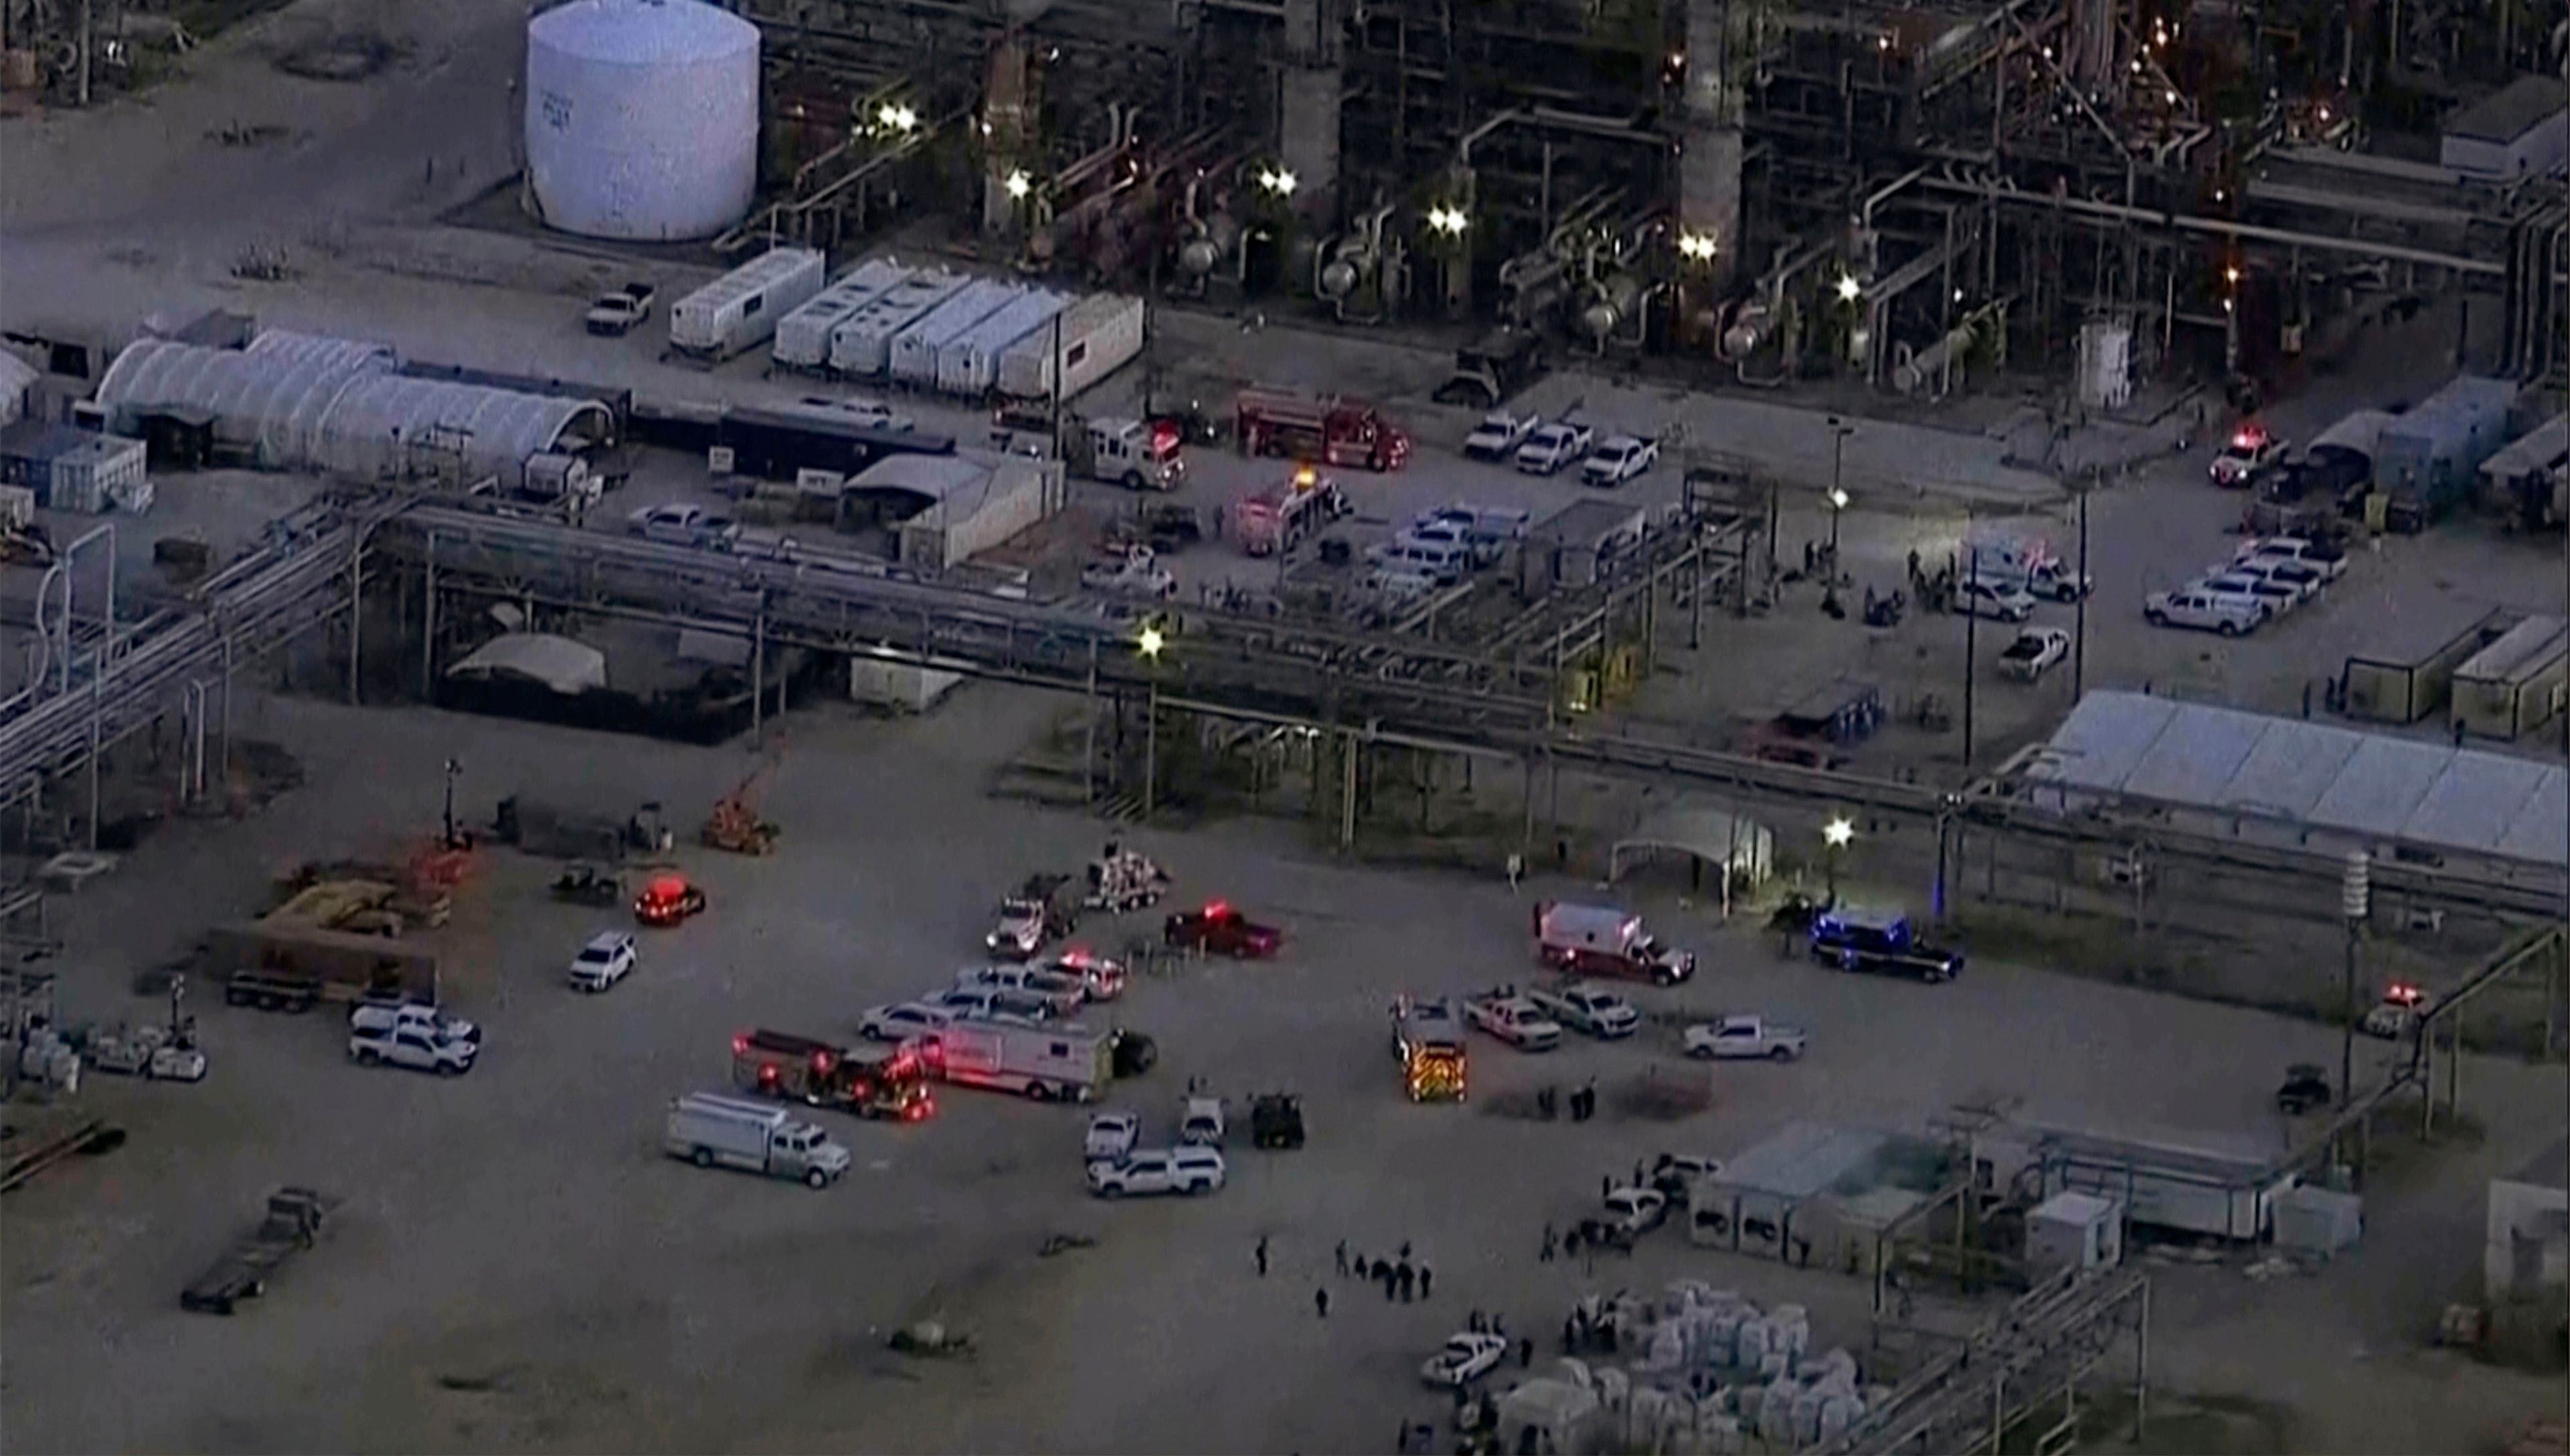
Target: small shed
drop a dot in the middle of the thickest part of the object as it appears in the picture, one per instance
(2516, 685)
(2411, 675)
(2074, 1229)
(2521, 129)
(70, 469)
(1578, 546)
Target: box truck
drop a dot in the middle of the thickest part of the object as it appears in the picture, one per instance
(1100, 335)
(740, 308)
(712, 1130)
(803, 337)
(970, 366)
(916, 349)
(861, 343)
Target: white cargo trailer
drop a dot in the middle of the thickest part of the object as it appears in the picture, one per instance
(914, 350)
(861, 344)
(803, 337)
(1101, 334)
(970, 366)
(1048, 1063)
(740, 308)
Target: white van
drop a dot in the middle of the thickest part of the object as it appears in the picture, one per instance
(1444, 561)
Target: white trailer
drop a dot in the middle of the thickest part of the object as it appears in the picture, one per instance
(1101, 334)
(803, 337)
(1047, 1063)
(861, 344)
(740, 308)
(916, 349)
(970, 366)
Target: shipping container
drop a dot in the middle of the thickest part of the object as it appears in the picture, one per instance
(861, 343)
(970, 366)
(803, 337)
(2412, 676)
(2518, 479)
(916, 349)
(2514, 685)
(740, 308)
(1101, 334)
(76, 471)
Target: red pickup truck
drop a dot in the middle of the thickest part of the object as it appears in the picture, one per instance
(1218, 930)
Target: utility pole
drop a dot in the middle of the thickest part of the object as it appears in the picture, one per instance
(2356, 902)
(2079, 626)
(1971, 649)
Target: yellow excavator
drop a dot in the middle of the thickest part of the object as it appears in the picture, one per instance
(735, 826)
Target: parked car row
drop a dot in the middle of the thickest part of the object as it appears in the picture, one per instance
(1022, 995)
(1542, 448)
(1443, 545)
(2267, 579)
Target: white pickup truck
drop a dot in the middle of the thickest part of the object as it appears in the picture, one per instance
(1745, 1036)
(1588, 1010)
(618, 312)
(415, 1048)
(2035, 651)
(1136, 573)
(1514, 1019)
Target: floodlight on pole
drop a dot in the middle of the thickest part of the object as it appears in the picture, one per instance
(1018, 183)
(1697, 247)
(1279, 181)
(1151, 641)
(1447, 220)
(1850, 290)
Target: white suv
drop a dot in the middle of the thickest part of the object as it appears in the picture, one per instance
(604, 960)
(1984, 597)
(1062, 995)
(2205, 610)
(1188, 1170)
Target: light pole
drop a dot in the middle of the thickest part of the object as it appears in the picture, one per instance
(2355, 902)
(453, 769)
(1840, 430)
(1149, 644)
(1834, 837)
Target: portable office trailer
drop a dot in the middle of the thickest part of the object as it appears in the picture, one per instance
(2518, 479)
(2514, 685)
(803, 337)
(1101, 334)
(1761, 1189)
(970, 366)
(2414, 676)
(916, 349)
(72, 470)
(2217, 1193)
(740, 308)
(861, 343)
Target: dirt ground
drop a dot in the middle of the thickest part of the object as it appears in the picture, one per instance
(519, 1268)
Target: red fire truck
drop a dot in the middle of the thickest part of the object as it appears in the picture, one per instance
(1276, 518)
(870, 1081)
(1334, 431)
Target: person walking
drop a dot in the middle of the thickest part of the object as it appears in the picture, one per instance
(1321, 1302)
(1343, 1258)
(1426, 1277)
(1262, 1255)
(1516, 871)
(1546, 1255)
(1526, 1352)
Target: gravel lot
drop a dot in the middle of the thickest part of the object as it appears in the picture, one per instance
(517, 1234)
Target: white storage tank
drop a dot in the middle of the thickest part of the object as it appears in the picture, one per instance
(641, 118)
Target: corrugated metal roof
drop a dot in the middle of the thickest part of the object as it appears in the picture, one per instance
(2301, 774)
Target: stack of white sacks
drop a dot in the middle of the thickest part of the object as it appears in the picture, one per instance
(1712, 1371)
